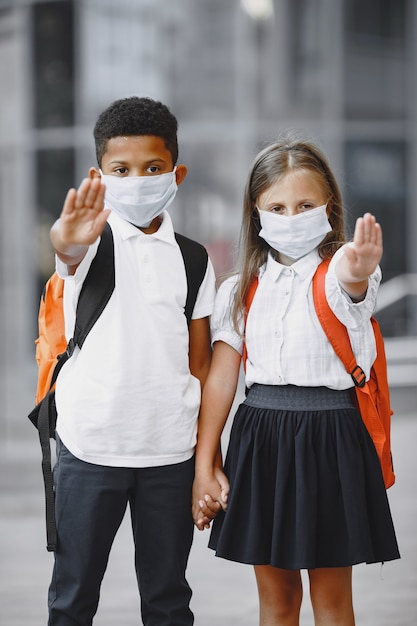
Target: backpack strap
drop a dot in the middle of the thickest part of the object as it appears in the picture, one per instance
(249, 299)
(336, 331)
(96, 290)
(195, 260)
(375, 407)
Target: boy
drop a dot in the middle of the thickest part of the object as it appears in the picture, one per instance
(128, 401)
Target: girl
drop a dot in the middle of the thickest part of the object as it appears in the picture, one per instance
(306, 488)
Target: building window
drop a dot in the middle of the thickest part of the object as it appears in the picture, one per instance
(53, 64)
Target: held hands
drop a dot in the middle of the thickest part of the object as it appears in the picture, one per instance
(361, 259)
(210, 494)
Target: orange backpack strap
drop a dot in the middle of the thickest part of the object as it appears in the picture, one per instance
(249, 299)
(374, 406)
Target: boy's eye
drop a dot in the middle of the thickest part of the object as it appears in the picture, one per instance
(121, 170)
(153, 169)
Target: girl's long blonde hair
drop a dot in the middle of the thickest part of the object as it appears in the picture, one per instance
(270, 165)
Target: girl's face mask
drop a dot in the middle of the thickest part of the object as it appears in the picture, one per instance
(139, 199)
(295, 235)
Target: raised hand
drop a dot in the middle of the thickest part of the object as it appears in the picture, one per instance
(82, 220)
(366, 252)
(83, 216)
(361, 257)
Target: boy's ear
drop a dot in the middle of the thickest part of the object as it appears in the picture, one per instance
(94, 172)
(180, 173)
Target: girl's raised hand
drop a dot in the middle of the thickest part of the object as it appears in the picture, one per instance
(366, 252)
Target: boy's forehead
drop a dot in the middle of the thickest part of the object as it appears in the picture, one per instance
(145, 147)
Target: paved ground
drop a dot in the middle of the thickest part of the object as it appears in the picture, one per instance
(224, 593)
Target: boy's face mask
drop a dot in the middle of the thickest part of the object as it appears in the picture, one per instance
(139, 199)
(296, 235)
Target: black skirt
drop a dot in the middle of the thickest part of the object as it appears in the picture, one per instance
(306, 487)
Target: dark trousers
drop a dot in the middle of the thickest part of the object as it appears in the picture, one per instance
(91, 501)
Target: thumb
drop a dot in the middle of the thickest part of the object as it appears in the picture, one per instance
(224, 486)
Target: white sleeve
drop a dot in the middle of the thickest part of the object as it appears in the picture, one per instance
(205, 297)
(221, 322)
(73, 284)
(352, 314)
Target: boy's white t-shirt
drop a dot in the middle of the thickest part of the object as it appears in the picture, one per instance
(128, 399)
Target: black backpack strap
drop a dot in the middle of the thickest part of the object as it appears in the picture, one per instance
(97, 288)
(95, 293)
(195, 260)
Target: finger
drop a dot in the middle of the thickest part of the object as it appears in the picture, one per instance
(94, 197)
(82, 192)
(209, 507)
(359, 234)
(99, 199)
(378, 235)
(101, 220)
(202, 523)
(369, 227)
(224, 498)
(69, 202)
(224, 494)
(224, 487)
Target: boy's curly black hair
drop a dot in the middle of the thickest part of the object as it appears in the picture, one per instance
(136, 116)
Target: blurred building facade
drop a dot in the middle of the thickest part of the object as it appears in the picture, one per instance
(236, 74)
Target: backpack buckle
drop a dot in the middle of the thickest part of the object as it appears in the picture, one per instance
(70, 347)
(358, 376)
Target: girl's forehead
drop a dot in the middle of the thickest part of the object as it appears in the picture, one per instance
(300, 182)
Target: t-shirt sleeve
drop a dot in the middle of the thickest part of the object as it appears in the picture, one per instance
(222, 328)
(205, 298)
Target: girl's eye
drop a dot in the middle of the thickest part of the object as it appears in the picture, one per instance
(306, 207)
(276, 209)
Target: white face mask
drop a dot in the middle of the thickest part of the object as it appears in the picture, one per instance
(139, 199)
(295, 235)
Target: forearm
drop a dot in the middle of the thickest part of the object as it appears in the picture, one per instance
(71, 254)
(218, 395)
(210, 427)
(355, 287)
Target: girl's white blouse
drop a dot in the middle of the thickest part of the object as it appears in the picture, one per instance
(286, 344)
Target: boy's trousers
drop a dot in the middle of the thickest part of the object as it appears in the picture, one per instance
(90, 504)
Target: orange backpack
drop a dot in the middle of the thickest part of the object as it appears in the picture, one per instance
(51, 340)
(372, 396)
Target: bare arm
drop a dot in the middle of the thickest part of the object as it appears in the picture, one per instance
(81, 221)
(360, 260)
(200, 348)
(218, 395)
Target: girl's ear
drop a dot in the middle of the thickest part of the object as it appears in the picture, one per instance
(94, 172)
(180, 173)
(329, 208)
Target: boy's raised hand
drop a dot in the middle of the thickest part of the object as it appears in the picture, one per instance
(82, 221)
(83, 216)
